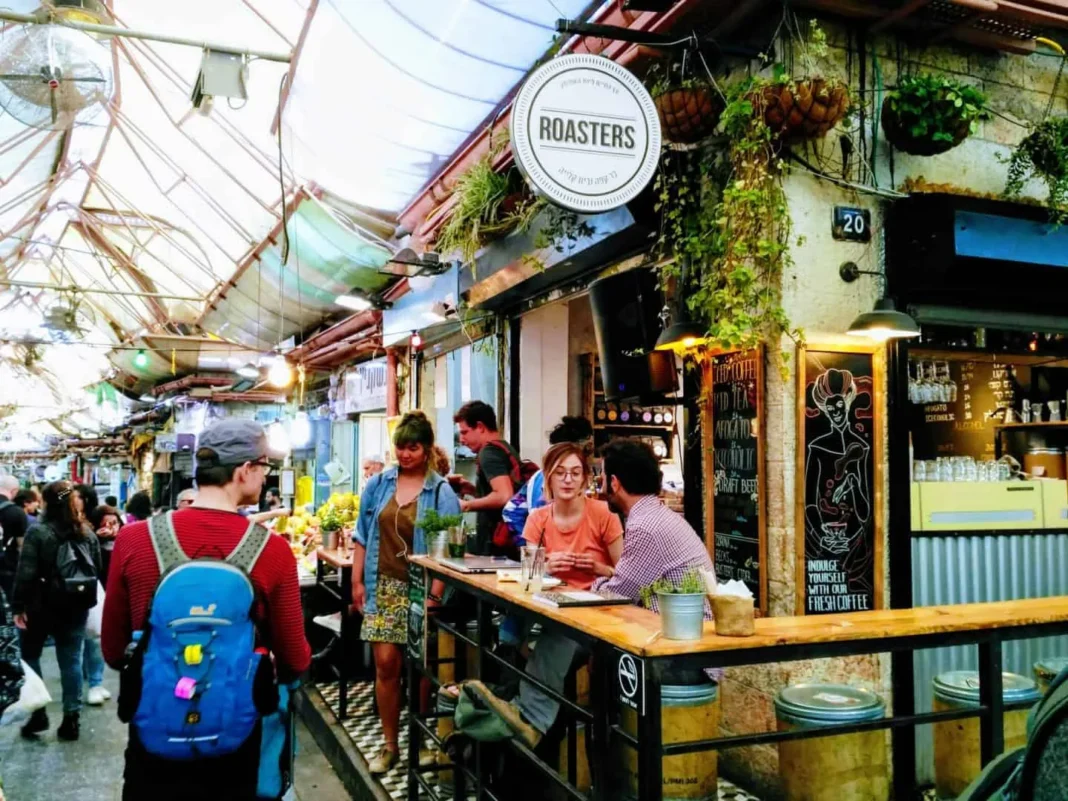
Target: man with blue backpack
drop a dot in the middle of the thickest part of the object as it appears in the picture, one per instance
(203, 617)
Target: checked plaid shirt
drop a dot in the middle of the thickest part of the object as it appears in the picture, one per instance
(657, 543)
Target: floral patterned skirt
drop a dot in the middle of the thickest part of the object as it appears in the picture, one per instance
(390, 622)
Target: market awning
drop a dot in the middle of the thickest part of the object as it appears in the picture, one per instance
(328, 255)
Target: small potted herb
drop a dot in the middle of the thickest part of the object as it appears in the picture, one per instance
(329, 525)
(441, 533)
(806, 106)
(930, 114)
(1043, 154)
(681, 605)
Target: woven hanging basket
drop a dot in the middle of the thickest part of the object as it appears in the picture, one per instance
(1042, 145)
(805, 109)
(688, 115)
(898, 130)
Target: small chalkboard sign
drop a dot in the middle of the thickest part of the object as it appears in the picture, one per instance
(738, 522)
(839, 489)
(416, 611)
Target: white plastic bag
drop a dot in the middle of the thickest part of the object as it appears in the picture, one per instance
(96, 615)
(32, 696)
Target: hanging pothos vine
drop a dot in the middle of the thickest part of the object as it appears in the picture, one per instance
(724, 210)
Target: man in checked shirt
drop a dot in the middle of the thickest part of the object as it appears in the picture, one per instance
(657, 543)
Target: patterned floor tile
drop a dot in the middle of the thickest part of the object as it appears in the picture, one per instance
(363, 726)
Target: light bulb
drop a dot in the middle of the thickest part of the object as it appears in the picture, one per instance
(277, 439)
(141, 359)
(300, 430)
(281, 374)
(417, 341)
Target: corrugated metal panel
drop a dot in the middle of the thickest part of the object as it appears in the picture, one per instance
(970, 569)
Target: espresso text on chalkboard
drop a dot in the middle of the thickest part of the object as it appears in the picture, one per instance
(838, 482)
(736, 491)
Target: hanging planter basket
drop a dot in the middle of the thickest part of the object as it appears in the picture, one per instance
(688, 114)
(902, 132)
(805, 109)
(930, 114)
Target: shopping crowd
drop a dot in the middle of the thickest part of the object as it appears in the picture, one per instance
(144, 589)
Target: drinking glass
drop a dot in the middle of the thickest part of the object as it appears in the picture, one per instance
(457, 542)
(919, 470)
(532, 568)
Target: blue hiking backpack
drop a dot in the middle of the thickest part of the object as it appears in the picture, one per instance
(203, 686)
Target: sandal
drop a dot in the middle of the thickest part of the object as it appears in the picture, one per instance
(384, 761)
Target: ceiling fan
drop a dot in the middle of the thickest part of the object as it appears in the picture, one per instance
(53, 77)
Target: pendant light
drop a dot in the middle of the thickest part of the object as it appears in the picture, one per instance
(683, 334)
(884, 321)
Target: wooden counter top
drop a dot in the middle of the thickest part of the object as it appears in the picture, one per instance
(335, 557)
(636, 630)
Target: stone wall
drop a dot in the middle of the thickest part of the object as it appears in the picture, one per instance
(823, 306)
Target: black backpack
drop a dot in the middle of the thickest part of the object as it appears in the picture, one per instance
(75, 576)
(12, 676)
(1036, 771)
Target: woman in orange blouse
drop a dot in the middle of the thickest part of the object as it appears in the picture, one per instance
(582, 537)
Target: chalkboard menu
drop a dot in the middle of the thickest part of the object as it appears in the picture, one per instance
(737, 380)
(960, 423)
(416, 611)
(839, 567)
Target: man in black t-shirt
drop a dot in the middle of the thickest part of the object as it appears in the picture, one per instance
(498, 465)
(13, 523)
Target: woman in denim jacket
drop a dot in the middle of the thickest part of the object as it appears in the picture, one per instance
(387, 532)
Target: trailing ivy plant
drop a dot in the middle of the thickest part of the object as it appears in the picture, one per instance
(929, 114)
(727, 213)
(1043, 154)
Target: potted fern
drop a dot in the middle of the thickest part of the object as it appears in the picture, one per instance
(681, 605)
(931, 114)
(808, 106)
(1043, 154)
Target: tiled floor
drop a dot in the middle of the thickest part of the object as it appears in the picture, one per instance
(366, 732)
(45, 769)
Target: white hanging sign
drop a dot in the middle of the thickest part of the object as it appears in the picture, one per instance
(585, 133)
(365, 387)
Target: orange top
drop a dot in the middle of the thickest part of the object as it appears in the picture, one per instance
(598, 529)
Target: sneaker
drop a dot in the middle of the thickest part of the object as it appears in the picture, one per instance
(427, 757)
(37, 723)
(97, 696)
(382, 763)
(70, 728)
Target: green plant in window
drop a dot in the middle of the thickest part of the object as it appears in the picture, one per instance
(1043, 155)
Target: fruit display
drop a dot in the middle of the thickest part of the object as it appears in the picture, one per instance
(304, 530)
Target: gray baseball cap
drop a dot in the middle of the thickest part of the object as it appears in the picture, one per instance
(233, 441)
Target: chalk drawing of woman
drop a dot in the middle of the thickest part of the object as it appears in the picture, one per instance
(836, 469)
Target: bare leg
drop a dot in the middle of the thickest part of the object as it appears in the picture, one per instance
(388, 662)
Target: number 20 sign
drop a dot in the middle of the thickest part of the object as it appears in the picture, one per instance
(851, 225)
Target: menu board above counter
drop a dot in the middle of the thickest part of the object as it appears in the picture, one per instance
(955, 405)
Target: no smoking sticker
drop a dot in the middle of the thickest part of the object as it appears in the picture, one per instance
(631, 686)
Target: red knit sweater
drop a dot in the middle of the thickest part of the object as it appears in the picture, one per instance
(134, 573)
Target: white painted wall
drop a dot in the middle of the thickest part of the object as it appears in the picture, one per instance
(544, 365)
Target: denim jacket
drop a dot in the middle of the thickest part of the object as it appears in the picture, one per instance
(376, 496)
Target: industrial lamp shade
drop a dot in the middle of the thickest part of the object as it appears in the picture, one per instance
(884, 322)
(681, 336)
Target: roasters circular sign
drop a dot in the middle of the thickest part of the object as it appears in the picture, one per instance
(585, 133)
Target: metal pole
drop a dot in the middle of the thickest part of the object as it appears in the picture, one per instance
(88, 291)
(130, 33)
